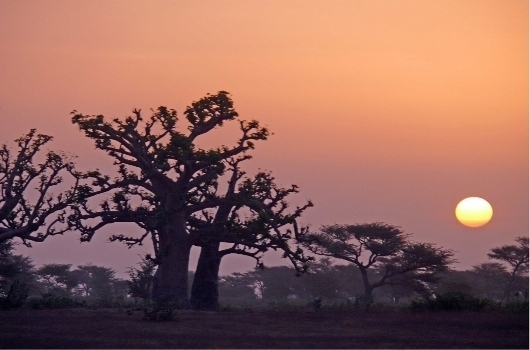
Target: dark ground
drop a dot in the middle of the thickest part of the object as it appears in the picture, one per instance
(83, 328)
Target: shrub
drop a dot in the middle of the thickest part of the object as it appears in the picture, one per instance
(451, 301)
(162, 311)
(54, 302)
(15, 297)
(316, 304)
(518, 306)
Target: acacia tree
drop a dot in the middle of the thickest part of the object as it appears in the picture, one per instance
(28, 208)
(516, 255)
(492, 278)
(379, 246)
(98, 282)
(163, 179)
(57, 279)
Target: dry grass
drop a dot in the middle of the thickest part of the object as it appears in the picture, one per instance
(82, 328)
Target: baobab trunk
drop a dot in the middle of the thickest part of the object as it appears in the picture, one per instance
(170, 283)
(205, 288)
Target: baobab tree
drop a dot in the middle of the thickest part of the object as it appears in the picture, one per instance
(31, 206)
(254, 219)
(166, 184)
(379, 246)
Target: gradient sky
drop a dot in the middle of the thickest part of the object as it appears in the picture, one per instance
(387, 111)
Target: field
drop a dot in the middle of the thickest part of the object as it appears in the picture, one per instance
(84, 328)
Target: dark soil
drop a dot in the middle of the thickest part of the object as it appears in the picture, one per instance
(83, 328)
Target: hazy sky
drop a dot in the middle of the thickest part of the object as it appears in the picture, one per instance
(387, 111)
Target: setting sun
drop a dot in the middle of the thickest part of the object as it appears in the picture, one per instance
(474, 212)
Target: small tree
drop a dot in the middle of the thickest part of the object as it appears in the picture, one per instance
(406, 286)
(16, 276)
(328, 281)
(57, 279)
(28, 209)
(14, 266)
(516, 255)
(381, 246)
(141, 279)
(490, 280)
(237, 288)
(99, 284)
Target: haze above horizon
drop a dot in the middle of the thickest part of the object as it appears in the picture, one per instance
(389, 111)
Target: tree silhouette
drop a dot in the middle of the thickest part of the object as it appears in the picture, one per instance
(16, 276)
(28, 208)
(99, 284)
(516, 255)
(490, 280)
(141, 279)
(381, 246)
(166, 184)
(254, 223)
(57, 279)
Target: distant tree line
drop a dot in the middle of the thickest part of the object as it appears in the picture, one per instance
(56, 285)
(61, 285)
(501, 280)
(495, 280)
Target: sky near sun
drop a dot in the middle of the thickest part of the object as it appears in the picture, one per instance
(389, 111)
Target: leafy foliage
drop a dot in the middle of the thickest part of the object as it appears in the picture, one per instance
(57, 279)
(96, 285)
(141, 279)
(515, 254)
(15, 297)
(16, 276)
(490, 280)
(160, 166)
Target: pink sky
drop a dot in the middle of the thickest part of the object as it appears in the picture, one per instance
(387, 111)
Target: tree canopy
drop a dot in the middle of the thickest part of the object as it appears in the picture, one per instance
(170, 187)
(380, 246)
(516, 255)
(31, 207)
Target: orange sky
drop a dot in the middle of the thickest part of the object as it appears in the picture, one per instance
(382, 110)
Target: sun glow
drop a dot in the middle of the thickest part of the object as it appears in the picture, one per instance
(474, 212)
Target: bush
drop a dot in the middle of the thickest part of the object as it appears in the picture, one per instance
(518, 306)
(316, 304)
(165, 310)
(451, 301)
(54, 302)
(15, 297)
(160, 312)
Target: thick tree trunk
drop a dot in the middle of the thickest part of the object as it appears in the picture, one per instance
(205, 288)
(170, 283)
